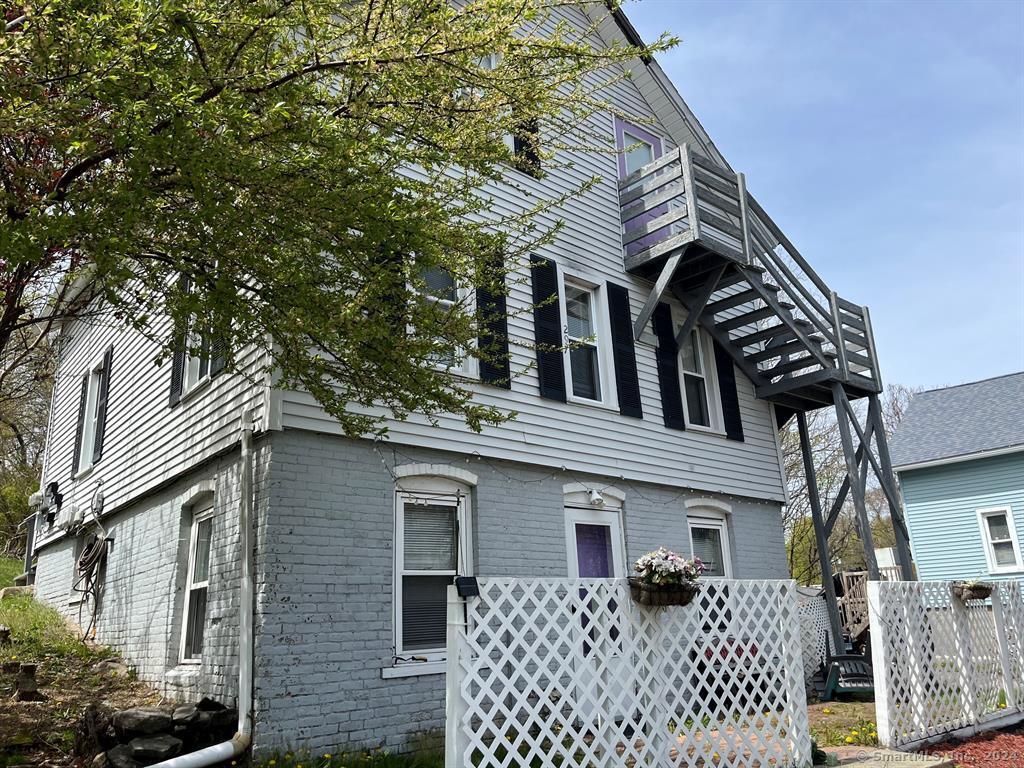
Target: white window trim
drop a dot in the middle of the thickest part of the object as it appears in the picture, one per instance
(428, 661)
(201, 513)
(609, 518)
(603, 332)
(710, 519)
(90, 417)
(986, 539)
(714, 392)
(465, 297)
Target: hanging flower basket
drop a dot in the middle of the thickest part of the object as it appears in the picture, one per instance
(662, 594)
(976, 590)
(665, 578)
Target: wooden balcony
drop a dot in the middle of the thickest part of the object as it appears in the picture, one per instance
(694, 229)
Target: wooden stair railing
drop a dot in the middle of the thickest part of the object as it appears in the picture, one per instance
(774, 314)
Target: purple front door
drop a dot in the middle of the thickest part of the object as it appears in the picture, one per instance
(594, 551)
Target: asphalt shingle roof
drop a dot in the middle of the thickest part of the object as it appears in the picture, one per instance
(958, 421)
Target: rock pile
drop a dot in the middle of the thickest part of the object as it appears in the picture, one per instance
(133, 738)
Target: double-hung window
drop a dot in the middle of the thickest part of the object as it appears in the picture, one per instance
(1002, 549)
(431, 547)
(582, 337)
(92, 412)
(441, 290)
(197, 583)
(701, 402)
(709, 540)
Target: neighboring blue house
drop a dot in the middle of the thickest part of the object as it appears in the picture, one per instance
(959, 454)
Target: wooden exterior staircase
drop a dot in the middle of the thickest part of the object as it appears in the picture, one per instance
(692, 228)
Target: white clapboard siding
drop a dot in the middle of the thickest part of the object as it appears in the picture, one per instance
(581, 437)
(146, 442)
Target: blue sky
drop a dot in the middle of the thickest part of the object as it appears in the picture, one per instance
(887, 140)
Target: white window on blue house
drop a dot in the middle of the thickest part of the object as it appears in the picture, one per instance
(1002, 549)
(197, 584)
(432, 545)
(709, 540)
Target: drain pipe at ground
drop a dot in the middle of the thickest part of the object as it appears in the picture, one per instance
(226, 750)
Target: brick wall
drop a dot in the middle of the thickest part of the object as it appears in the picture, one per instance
(325, 577)
(141, 606)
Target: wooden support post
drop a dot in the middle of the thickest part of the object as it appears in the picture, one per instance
(690, 188)
(837, 323)
(899, 523)
(668, 271)
(741, 184)
(852, 471)
(694, 308)
(840, 500)
(831, 601)
(455, 704)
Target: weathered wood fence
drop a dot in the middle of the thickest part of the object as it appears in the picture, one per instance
(574, 673)
(944, 666)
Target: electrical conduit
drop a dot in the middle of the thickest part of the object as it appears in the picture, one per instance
(240, 742)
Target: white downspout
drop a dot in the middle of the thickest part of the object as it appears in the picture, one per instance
(243, 738)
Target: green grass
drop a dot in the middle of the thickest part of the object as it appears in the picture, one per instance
(10, 567)
(38, 631)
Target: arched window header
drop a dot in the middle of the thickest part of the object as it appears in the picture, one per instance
(707, 505)
(445, 471)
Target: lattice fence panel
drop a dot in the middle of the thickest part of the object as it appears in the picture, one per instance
(574, 673)
(815, 631)
(942, 664)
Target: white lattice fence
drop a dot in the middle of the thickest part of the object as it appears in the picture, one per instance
(574, 673)
(942, 665)
(815, 631)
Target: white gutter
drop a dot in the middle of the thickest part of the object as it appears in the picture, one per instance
(240, 742)
(991, 452)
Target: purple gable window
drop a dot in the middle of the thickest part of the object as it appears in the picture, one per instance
(625, 135)
(622, 141)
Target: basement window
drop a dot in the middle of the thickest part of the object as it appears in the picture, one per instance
(431, 546)
(197, 583)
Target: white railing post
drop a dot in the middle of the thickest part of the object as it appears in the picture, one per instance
(455, 703)
(880, 662)
(964, 658)
(999, 618)
(792, 650)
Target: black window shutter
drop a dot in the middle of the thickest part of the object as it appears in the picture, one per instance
(81, 422)
(727, 390)
(101, 406)
(547, 322)
(668, 368)
(627, 383)
(218, 355)
(526, 146)
(178, 360)
(492, 314)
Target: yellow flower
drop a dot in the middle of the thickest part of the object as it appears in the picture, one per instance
(855, 732)
(827, 711)
(874, 735)
(272, 762)
(849, 739)
(327, 756)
